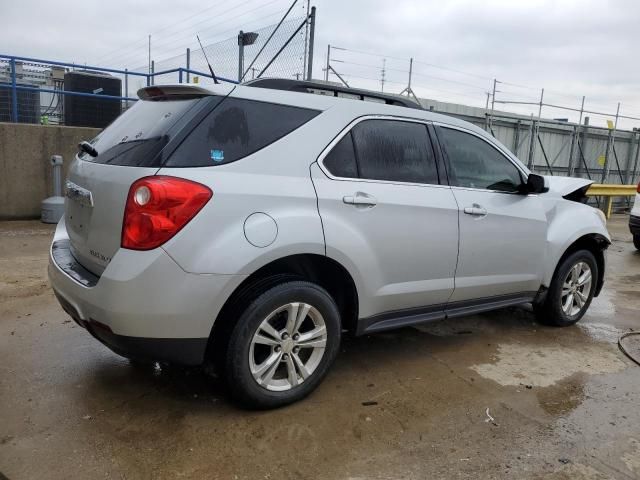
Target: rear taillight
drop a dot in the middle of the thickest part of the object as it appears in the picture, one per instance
(638, 189)
(158, 207)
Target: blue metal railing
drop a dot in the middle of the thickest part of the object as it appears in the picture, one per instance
(14, 87)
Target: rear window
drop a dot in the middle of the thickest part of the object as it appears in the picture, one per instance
(237, 128)
(136, 137)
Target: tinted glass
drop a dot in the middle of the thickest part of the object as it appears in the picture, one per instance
(237, 128)
(394, 151)
(137, 136)
(476, 164)
(341, 161)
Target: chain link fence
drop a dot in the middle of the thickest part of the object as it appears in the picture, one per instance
(58, 93)
(225, 56)
(550, 146)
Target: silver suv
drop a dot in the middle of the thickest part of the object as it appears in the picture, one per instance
(251, 227)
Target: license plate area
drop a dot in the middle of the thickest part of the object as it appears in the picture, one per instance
(79, 207)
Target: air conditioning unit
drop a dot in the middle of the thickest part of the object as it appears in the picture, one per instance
(83, 111)
(28, 104)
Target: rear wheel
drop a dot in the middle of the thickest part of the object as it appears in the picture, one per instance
(636, 241)
(282, 345)
(571, 290)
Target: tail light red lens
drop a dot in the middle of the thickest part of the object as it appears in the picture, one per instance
(158, 207)
(638, 189)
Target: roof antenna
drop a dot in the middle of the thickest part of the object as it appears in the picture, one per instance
(215, 79)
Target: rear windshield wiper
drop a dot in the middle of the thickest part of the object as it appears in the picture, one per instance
(88, 148)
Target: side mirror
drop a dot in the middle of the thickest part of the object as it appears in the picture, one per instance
(535, 184)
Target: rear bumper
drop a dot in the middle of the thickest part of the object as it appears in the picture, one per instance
(143, 306)
(634, 225)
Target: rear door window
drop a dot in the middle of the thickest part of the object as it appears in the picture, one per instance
(136, 137)
(341, 160)
(235, 129)
(394, 150)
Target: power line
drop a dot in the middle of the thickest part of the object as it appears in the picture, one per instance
(190, 34)
(183, 46)
(223, 53)
(166, 27)
(189, 30)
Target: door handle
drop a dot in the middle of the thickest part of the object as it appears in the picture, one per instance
(475, 210)
(360, 199)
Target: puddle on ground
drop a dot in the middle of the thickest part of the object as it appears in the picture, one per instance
(601, 332)
(545, 365)
(602, 305)
(564, 398)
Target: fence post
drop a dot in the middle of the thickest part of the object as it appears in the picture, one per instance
(516, 138)
(326, 72)
(180, 75)
(532, 143)
(312, 34)
(489, 124)
(572, 149)
(126, 87)
(629, 166)
(585, 137)
(240, 55)
(188, 64)
(14, 91)
(605, 167)
(610, 144)
(153, 69)
(575, 142)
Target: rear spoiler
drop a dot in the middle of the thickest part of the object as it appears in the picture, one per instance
(179, 92)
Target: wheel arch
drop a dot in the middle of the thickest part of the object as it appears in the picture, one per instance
(319, 269)
(596, 243)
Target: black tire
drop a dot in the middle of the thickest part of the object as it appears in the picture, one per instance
(550, 311)
(636, 241)
(240, 381)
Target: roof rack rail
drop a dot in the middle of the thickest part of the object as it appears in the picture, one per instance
(324, 88)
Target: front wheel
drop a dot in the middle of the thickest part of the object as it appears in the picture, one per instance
(636, 241)
(571, 290)
(282, 345)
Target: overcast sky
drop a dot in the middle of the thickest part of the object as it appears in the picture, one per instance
(571, 48)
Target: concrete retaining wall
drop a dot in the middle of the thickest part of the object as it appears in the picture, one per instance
(25, 172)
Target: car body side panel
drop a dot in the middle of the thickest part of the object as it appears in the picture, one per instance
(274, 181)
(215, 240)
(501, 252)
(567, 222)
(146, 294)
(405, 247)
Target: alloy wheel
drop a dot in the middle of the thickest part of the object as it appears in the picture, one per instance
(288, 346)
(576, 289)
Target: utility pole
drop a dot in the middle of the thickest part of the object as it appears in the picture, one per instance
(489, 123)
(306, 38)
(383, 73)
(240, 55)
(408, 90)
(326, 72)
(312, 34)
(493, 95)
(188, 65)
